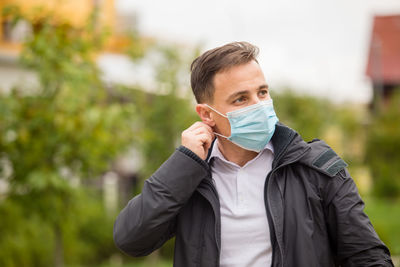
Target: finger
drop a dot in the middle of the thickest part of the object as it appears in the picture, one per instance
(205, 139)
(208, 127)
(201, 131)
(195, 125)
(210, 132)
(207, 145)
(203, 128)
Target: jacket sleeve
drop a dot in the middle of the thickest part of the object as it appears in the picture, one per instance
(148, 220)
(352, 234)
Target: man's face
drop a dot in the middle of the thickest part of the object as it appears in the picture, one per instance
(236, 88)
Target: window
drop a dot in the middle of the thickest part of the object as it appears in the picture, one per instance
(15, 33)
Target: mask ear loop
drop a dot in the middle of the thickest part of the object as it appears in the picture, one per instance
(216, 111)
(221, 135)
(222, 116)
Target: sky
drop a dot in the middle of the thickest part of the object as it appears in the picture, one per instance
(316, 47)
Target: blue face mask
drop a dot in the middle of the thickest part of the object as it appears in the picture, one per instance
(252, 127)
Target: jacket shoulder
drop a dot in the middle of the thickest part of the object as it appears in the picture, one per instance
(322, 158)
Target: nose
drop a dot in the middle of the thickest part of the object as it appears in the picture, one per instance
(255, 98)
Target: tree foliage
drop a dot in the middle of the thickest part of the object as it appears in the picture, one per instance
(307, 115)
(165, 113)
(383, 146)
(52, 139)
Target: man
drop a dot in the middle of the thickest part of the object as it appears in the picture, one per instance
(244, 190)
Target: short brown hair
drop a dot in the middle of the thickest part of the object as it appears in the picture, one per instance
(215, 60)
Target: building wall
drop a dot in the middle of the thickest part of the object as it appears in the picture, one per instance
(74, 12)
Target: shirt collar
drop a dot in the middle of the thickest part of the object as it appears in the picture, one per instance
(216, 153)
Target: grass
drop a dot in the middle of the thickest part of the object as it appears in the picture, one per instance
(385, 217)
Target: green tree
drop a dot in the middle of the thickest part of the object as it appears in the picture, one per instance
(383, 146)
(307, 115)
(52, 140)
(165, 113)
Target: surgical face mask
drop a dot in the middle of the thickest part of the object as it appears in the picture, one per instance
(252, 127)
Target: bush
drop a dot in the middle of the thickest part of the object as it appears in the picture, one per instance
(383, 146)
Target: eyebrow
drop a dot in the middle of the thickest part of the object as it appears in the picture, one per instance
(244, 92)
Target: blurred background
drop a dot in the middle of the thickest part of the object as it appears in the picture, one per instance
(95, 93)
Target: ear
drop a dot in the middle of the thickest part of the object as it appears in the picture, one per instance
(205, 114)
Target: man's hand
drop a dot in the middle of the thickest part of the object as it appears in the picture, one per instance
(198, 138)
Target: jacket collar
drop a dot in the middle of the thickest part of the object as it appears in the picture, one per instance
(287, 143)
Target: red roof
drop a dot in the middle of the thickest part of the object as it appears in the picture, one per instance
(384, 53)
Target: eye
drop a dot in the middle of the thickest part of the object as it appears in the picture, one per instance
(263, 93)
(240, 99)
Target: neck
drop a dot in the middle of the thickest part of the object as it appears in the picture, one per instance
(234, 153)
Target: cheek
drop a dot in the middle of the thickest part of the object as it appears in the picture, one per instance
(222, 126)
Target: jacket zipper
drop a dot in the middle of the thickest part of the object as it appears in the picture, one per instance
(268, 207)
(265, 199)
(216, 219)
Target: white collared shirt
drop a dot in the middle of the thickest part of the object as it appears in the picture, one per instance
(245, 237)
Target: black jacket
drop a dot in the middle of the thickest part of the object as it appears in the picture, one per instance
(314, 211)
